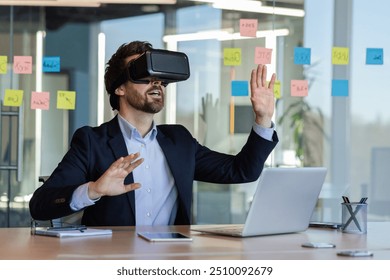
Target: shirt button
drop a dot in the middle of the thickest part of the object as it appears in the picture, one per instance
(148, 214)
(148, 190)
(147, 166)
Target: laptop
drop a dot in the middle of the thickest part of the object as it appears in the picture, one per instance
(283, 202)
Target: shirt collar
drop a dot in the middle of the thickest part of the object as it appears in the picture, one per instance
(128, 130)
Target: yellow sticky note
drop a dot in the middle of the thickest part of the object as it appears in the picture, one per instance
(3, 64)
(340, 56)
(232, 56)
(66, 99)
(277, 91)
(13, 97)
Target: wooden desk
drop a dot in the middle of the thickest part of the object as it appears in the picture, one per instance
(18, 244)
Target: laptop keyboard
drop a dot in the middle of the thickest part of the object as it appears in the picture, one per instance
(230, 229)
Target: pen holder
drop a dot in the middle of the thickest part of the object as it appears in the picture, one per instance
(354, 217)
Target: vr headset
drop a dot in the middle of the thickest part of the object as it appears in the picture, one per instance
(162, 65)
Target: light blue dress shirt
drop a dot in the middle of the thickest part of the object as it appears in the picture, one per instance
(156, 200)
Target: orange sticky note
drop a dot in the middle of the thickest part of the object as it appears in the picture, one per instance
(232, 56)
(13, 97)
(3, 64)
(66, 100)
(40, 100)
(263, 55)
(248, 27)
(299, 88)
(23, 64)
(340, 56)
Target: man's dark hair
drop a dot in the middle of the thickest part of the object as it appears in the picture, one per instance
(117, 64)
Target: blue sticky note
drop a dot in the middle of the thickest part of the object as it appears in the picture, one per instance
(339, 87)
(302, 55)
(374, 56)
(240, 88)
(51, 64)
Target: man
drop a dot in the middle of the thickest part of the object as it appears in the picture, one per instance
(129, 171)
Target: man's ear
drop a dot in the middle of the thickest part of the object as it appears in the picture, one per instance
(120, 90)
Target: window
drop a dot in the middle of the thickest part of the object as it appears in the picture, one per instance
(347, 132)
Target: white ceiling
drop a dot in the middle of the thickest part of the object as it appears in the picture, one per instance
(69, 3)
(62, 11)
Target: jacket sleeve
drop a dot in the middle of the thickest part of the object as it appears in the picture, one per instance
(52, 199)
(246, 166)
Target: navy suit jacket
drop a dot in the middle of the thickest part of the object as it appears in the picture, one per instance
(94, 149)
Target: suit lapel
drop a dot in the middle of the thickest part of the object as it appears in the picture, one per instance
(175, 163)
(119, 149)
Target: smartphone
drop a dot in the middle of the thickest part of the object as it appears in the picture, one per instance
(164, 236)
(325, 225)
(318, 245)
(355, 253)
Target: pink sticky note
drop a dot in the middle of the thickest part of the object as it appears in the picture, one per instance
(299, 88)
(248, 27)
(23, 64)
(40, 100)
(263, 55)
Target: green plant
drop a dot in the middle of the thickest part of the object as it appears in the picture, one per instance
(299, 113)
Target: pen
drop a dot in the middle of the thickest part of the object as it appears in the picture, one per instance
(66, 228)
(353, 217)
(363, 200)
(346, 199)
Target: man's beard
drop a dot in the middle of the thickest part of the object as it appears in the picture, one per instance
(141, 103)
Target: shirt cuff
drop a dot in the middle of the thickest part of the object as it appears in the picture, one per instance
(80, 198)
(264, 132)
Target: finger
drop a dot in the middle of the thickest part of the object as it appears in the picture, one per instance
(133, 165)
(127, 160)
(118, 162)
(125, 164)
(259, 72)
(133, 156)
(132, 187)
(253, 80)
(264, 76)
(272, 82)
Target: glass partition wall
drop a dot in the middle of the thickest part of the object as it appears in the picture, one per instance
(329, 126)
(34, 134)
(20, 44)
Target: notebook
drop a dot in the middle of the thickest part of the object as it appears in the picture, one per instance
(71, 233)
(283, 202)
